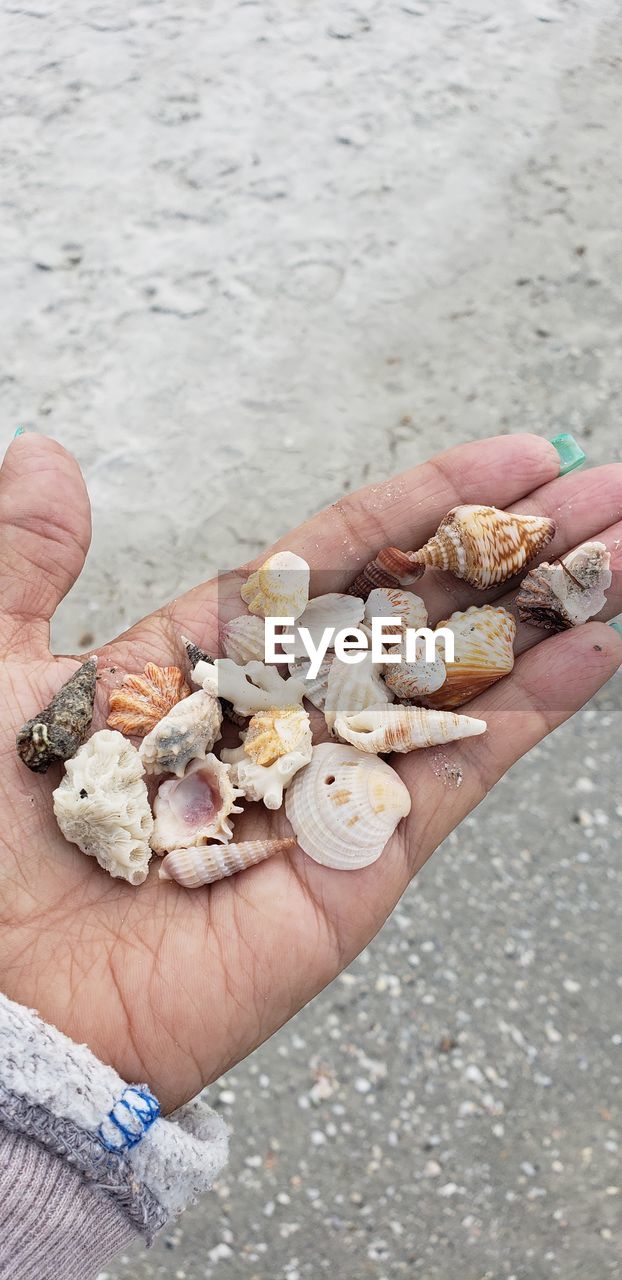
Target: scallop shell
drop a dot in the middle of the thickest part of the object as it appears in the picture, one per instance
(565, 594)
(102, 806)
(204, 864)
(280, 588)
(315, 687)
(57, 731)
(143, 700)
(266, 782)
(196, 808)
(418, 678)
(341, 612)
(352, 687)
(276, 732)
(251, 688)
(394, 602)
(345, 806)
(187, 733)
(244, 639)
(391, 568)
(383, 729)
(483, 652)
(484, 546)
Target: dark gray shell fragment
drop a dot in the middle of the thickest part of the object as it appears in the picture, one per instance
(56, 732)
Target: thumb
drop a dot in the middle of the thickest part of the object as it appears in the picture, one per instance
(45, 531)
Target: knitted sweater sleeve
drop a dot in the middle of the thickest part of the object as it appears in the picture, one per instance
(87, 1164)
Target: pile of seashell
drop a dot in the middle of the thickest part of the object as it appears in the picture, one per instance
(342, 801)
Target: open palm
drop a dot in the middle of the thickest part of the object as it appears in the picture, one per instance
(172, 986)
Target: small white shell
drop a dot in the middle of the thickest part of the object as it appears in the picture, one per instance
(196, 808)
(389, 602)
(345, 806)
(314, 689)
(207, 863)
(352, 687)
(334, 610)
(384, 729)
(244, 639)
(102, 805)
(414, 679)
(280, 588)
(265, 782)
(187, 733)
(253, 687)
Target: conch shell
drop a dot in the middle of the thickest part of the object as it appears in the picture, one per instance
(391, 568)
(244, 639)
(102, 806)
(56, 732)
(187, 733)
(251, 688)
(196, 808)
(342, 612)
(206, 863)
(394, 602)
(565, 594)
(276, 732)
(352, 687)
(280, 588)
(483, 652)
(384, 729)
(484, 546)
(143, 700)
(345, 806)
(415, 679)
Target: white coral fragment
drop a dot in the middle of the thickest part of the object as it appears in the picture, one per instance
(265, 782)
(251, 688)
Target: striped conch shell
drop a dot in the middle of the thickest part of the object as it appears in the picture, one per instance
(391, 568)
(280, 588)
(187, 733)
(352, 687)
(567, 593)
(251, 688)
(196, 808)
(384, 729)
(345, 806)
(483, 652)
(244, 639)
(143, 700)
(484, 546)
(207, 863)
(415, 679)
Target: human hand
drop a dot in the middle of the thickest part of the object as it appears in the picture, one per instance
(172, 987)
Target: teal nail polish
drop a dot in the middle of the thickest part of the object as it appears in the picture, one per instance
(617, 626)
(571, 454)
(21, 431)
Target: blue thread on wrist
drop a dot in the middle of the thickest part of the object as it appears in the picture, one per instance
(129, 1119)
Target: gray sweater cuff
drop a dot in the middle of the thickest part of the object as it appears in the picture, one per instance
(110, 1133)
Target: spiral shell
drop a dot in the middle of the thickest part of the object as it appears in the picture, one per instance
(195, 808)
(391, 568)
(57, 731)
(484, 546)
(276, 732)
(483, 652)
(280, 588)
(207, 863)
(187, 733)
(384, 729)
(244, 639)
(345, 806)
(565, 594)
(352, 687)
(143, 700)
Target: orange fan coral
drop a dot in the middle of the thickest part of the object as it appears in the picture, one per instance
(142, 701)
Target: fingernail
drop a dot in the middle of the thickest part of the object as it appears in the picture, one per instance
(20, 431)
(617, 626)
(571, 454)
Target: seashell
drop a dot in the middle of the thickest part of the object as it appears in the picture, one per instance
(206, 863)
(345, 806)
(418, 678)
(394, 602)
(380, 729)
(568, 592)
(196, 808)
(56, 732)
(194, 653)
(391, 568)
(266, 782)
(187, 733)
(142, 701)
(276, 732)
(484, 546)
(244, 639)
(102, 805)
(315, 688)
(483, 652)
(341, 612)
(280, 588)
(352, 687)
(251, 688)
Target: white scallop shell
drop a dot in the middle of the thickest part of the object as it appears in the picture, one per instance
(280, 588)
(207, 863)
(345, 806)
(390, 602)
(244, 639)
(314, 687)
(102, 805)
(265, 782)
(253, 687)
(414, 679)
(339, 612)
(196, 808)
(187, 733)
(384, 729)
(352, 687)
